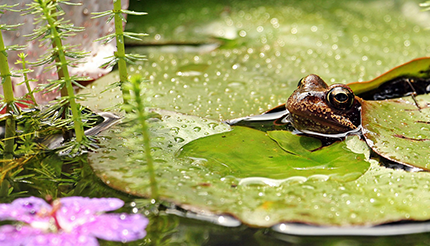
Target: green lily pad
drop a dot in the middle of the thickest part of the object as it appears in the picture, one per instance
(282, 44)
(380, 195)
(398, 130)
(245, 152)
(419, 67)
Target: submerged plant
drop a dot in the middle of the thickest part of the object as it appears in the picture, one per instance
(27, 81)
(120, 57)
(54, 29)
(138, 113)
(68, 221)
(9, 99)
(131, 90)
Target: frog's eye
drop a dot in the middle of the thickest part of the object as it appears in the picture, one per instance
(340, 97)
(300, 82)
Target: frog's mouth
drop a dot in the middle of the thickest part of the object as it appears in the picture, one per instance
(326, 124)
(341, 135)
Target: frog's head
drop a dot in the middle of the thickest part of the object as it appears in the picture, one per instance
(316, 107)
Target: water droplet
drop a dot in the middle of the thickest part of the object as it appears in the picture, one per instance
(175, 130)
(125, 232)
(179, 139)
(197, 129)
(212, 125)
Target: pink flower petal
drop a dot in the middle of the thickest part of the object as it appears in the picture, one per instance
(117, 227)
(80, 220)
(28, 236)
(24, 209)
(16, 235)
(75, 211)
(91, 204)
(62, 239)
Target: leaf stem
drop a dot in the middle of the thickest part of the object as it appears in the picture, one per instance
(9, 100)
(62, 64)
(26, 81)
(142, 116)
(120, 53)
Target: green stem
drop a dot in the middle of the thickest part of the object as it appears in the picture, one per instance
(62, 65)
(27, 83)
(9, 100)
(63, 91)
(141, 113)
(120, 54)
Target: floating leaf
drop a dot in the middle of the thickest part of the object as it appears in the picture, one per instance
(380, 195)
(419, 68)
(245, 152)
(247, 80)
(398, 130)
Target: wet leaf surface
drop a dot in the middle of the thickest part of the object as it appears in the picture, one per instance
(380, 195)
(272, 45)
(416, 68)
(398, 130)
(249, 153)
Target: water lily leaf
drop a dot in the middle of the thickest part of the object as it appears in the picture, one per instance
(398, 130)
(247, 80)
(169, 131)
(380, 195)
(419, 67)
(245, 152)
(298, 145)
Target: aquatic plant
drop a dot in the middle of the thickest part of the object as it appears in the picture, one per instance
(9, 99)
(131, 90)
(73, 220)
(53, 29)
(120, 57)
(87, 67)
(27, 81)
(138, 113)
(68, 221)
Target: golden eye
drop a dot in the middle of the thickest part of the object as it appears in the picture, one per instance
(300, 82)
(340, 97)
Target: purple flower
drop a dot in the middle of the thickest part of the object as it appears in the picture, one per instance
(68, 221)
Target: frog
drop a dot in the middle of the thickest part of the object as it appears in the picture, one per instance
(314, 108)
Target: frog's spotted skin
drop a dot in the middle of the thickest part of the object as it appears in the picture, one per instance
(311, 109)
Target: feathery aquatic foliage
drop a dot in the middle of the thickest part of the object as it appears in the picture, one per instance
(8, 97)
(138, 113)
(120, 57)
(53, 29)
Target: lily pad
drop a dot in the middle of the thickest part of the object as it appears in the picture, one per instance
(398, 130)
(245, 153)
(282, 44)
(380, 195)
(418, 68)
